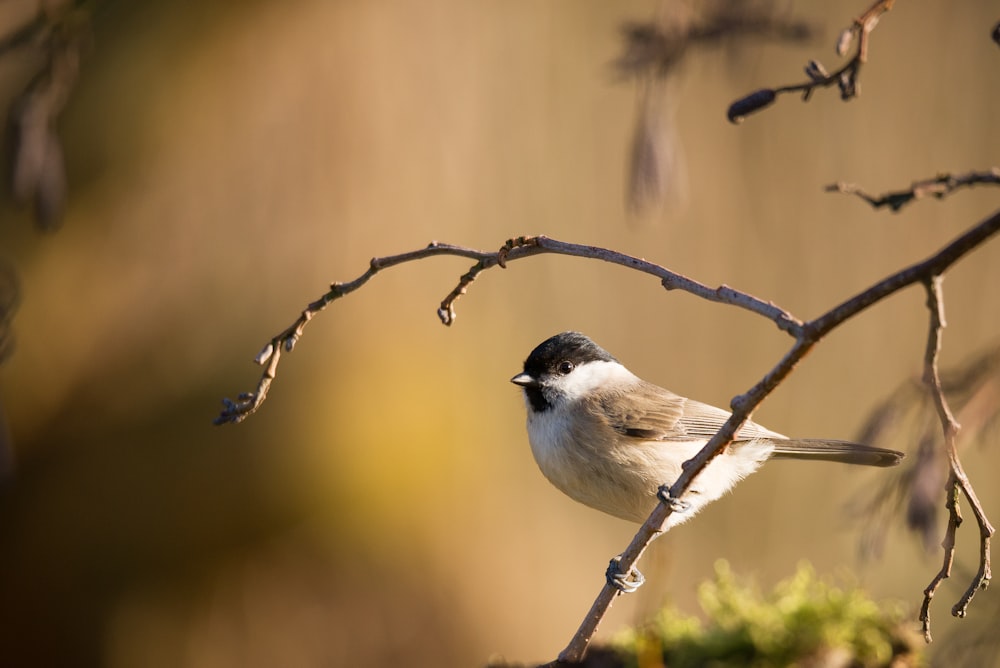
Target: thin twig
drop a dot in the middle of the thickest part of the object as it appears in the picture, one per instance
(948, 559)
(957, 478)
(514, 249)
(247, 403)
(845, 77)
(950, 427)
(939, 187)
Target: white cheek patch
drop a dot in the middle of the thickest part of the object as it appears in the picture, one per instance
(588, 377)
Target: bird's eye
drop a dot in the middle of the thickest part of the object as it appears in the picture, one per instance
(565, 367)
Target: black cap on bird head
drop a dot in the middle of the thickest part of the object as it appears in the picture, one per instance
(565, 347)
(558, 354)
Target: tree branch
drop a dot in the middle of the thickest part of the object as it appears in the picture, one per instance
(514, 249)
(958, 481)
(247, 403)
(846, 77)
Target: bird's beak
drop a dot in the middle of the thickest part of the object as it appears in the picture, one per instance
(524, 380)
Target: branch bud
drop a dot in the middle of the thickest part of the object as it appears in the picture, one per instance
(264, 355)
(751, 103)
(844, 41)
(816, 71)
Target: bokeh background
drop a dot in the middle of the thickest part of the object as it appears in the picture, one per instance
(227, 161)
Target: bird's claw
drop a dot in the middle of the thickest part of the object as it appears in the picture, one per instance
(624, 582)
(675, 504)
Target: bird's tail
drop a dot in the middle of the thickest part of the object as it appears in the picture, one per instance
(844, 452)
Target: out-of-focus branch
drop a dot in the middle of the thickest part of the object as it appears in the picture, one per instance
(939, 187)
(958, 481)
(36, 162)
(658, 47)
(653, 51)
(846, 77)
(908, 415)
(24, 34)
(10, 297)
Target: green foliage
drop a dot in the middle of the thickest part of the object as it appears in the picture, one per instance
(804, 621)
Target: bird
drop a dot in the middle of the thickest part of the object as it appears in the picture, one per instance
(615, 442)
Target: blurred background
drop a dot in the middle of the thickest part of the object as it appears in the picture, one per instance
(226, 161)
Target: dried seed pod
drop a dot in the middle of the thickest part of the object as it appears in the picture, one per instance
(749, 104)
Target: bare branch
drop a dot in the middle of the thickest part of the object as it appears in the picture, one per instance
(514, 249)
(247, 403)
(846, 77)
(957, 478)
(948, 545)
(939, 187)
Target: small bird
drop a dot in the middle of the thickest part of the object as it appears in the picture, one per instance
(616, 443)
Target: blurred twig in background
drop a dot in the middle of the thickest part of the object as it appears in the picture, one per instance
(36, 163)
(907, 416)
(10, 297)
(651, 54)
(658, 47)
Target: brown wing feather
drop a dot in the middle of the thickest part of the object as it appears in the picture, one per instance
(653, 413)
(650, 413)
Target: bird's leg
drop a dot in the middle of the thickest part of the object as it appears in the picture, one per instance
(675, 504)
(623, 582)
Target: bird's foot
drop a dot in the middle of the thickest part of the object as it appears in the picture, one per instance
(624, 582)
(675, 504)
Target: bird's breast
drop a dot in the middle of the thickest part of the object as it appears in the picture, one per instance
(588, 461)
(592, 463)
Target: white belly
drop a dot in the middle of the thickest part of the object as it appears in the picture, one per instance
(623, 480)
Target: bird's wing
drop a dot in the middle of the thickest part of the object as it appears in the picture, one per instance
(702, 421)
(653, 413)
